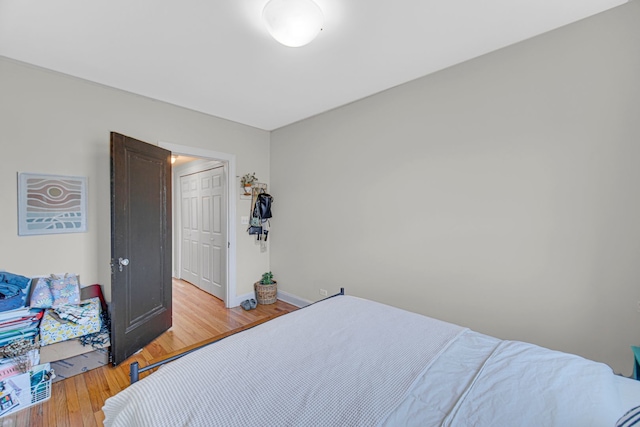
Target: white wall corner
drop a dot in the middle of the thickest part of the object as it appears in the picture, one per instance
(236, 300)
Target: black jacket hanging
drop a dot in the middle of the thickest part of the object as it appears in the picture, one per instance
(259, 217)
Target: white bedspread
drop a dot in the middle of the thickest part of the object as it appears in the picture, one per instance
(482, 381)
(525, 385)
(321, 366)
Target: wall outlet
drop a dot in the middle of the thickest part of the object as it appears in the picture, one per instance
(244, 220)
(323, 292)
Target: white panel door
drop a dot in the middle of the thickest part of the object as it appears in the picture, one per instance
(213, 236)
(190, 224)
(204, 233)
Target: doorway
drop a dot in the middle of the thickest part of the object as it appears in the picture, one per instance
(208, 159)
(200, 201)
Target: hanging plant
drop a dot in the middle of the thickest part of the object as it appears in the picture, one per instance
(248, 179)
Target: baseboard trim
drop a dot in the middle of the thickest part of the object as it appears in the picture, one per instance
(235, 302)
(293, 299)
(282, 296)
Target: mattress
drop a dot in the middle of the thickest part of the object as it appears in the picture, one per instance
(349, 361)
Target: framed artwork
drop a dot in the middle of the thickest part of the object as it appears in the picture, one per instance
(51, 204)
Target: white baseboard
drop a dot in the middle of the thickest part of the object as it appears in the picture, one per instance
(282, 296)
(235, 302)
(293, 299)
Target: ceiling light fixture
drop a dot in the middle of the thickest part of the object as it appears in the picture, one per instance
(293, 23)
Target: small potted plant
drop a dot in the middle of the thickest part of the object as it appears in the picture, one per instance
(266, 289)
(247, 181)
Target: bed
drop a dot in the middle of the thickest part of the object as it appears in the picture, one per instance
(347, 361)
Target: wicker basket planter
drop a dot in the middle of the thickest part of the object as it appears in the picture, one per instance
(266, 294)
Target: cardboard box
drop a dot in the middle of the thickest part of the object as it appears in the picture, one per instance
(79, 364)
(65, 350)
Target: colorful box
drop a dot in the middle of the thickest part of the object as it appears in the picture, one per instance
(53, 329)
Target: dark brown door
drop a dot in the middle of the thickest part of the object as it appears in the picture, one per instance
(140, 244)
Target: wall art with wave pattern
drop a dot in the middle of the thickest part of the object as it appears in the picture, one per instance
(51, 204)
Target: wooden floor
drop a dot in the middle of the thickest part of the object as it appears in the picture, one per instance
(197, 317)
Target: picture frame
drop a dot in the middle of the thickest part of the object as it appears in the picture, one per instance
(51, 204)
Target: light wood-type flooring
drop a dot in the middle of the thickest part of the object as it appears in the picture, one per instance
(197, 317)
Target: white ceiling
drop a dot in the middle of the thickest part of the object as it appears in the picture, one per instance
(216, 56)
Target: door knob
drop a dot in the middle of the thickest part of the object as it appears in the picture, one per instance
(122, 262)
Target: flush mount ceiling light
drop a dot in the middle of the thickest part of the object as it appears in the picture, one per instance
(293, 23)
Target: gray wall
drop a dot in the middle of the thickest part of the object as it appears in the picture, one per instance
(56, 124)
(500, 194)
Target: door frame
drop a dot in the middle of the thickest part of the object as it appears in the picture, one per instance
(230, 163)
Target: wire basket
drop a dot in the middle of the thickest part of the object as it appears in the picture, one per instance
(266, 294)
(41, 378)
(14, 398)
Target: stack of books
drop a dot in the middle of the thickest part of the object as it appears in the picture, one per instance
(18, 324)
(19, 354)
(21, 323)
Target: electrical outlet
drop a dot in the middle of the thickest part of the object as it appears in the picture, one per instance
(323, 292)
(244, 220)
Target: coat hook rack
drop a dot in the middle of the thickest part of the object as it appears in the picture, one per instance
(257, 188)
